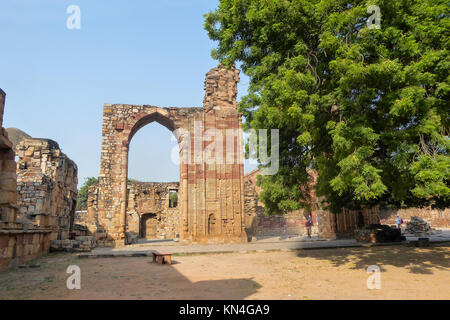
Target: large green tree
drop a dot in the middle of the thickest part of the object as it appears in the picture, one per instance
(366, 107)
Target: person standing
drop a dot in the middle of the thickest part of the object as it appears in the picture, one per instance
(308, 224)
(399, 221)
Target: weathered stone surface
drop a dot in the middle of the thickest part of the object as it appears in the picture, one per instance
(260, 225)
(325, 224)
(149, 213)
(436, 218)
(46, 185)
(18, 242)
(8, 198)
(418, 226)
(211, 197)
(79, 244)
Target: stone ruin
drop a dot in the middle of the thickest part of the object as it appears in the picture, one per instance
(47, 186)
(37, 196)
(18, 243)
(211, 196)
(260, 225)
(150, 212)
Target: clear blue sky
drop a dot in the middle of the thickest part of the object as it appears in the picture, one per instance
(133, 52)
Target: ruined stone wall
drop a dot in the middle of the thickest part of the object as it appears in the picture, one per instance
(345, 223)
(46, 185)
(436, 218)
(260, 225)
(8, 183)
(17, 243)
(325, 224)
(143, 198)
(211, 196)
(152, 198)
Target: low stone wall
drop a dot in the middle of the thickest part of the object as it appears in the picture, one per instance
(20, 246)
(291, 224)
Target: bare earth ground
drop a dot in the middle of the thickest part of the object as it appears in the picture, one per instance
(406, 273)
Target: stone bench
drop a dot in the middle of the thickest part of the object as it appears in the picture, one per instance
(162, 257)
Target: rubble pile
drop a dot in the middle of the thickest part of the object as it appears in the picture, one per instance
(418, 226)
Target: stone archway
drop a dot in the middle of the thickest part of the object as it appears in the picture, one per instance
(212, 225)
(204, 187)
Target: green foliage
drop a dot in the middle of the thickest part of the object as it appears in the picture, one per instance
(173, 199)
(366, 108)
(83, 193)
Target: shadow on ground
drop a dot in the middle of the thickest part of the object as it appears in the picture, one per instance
(413, 260)
(118, 278)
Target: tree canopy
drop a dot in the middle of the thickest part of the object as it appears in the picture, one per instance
(83, 193)
(367, 108)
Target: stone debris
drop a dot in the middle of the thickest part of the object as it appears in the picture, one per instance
(418, 226)
(80, 244)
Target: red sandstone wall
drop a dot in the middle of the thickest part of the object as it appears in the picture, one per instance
(436, 218)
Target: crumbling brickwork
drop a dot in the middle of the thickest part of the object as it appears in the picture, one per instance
(18, 244)
(150, 214)
(211, 194)
(260, 225)
(8, 182)
(436, 218)
(46, 185)
(326, 225)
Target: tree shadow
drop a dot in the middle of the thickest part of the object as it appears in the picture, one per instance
(221, 289)
(412, 259)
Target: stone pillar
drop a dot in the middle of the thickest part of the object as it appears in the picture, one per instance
(8, 178)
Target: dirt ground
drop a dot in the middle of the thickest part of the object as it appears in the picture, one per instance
(406, 273)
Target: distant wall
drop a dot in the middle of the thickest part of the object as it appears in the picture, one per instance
(436, 218)
(144, 200)
(260, 225)
(152, 198)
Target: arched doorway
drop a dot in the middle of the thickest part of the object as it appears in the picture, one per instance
(212, 225)
(152, 184)
(203, 188)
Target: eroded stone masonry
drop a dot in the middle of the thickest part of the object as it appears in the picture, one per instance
(47, 185)
(18, 243)
(37, 196)
(211, 196)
